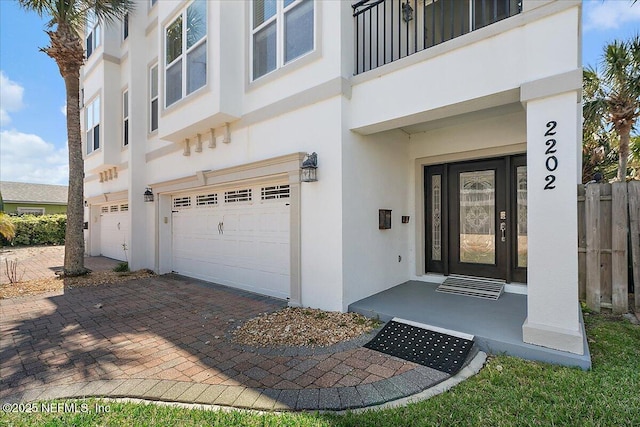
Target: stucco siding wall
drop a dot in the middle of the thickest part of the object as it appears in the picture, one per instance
(48, 209)
(313, 128)
(375, 171)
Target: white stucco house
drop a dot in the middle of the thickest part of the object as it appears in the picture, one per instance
(447, 135)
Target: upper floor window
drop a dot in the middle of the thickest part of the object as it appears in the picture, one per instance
(186, 52)
(93, 33)
(92, 119)
(125, 27)
(153, 98)
(282, 30)
(125, 118)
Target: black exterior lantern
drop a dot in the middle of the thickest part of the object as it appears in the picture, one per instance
(148, 195)
(407, 12)
(309, 168)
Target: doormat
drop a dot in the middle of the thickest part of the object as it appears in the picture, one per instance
(426, 345)
(472, 287)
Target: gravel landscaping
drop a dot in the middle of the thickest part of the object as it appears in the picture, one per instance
(54, 284)
(303, 327)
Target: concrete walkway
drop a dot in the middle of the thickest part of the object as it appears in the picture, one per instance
(168, 338)
(41, 262)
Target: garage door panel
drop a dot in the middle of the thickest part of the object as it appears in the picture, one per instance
(114, 232)
(249, 251)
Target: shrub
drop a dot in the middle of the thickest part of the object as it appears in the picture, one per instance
(122, 267)
(7, 229)
(38, 230)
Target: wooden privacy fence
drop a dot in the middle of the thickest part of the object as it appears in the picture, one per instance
(608, 244)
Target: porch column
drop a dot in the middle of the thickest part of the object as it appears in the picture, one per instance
(554, 138)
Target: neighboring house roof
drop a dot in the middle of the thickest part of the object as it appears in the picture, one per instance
(22, 192)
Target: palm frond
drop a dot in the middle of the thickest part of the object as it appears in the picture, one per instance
(110, 11)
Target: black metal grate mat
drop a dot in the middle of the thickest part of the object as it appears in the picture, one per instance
(437, 350)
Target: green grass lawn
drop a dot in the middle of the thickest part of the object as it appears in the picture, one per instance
(507, 392)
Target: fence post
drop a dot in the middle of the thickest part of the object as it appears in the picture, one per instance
(592, 219)
(634, 227)
(582, 245)
(620, 224)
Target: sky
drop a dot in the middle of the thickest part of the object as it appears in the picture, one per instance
(33, 142)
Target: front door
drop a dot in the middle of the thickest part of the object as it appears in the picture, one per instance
(474, 218)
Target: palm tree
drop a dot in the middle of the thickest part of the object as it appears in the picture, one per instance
(612, 97)
(65, 27)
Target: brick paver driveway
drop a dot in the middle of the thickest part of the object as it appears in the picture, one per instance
(168, 338)
(40, 262)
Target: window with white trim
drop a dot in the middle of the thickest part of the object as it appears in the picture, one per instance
(186, 52)
(125, 118)
(125, 26)
(153, 95)
(93, 33)
(281, 31)
(30, 211)
(92, 119)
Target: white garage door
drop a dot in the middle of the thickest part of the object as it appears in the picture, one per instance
(237, 237)
(114, 231)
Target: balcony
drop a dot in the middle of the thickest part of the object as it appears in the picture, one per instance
(388, 30)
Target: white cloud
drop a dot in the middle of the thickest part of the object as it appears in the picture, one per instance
(63, 110)
(26, 157)
(609, 15)
(10, 98)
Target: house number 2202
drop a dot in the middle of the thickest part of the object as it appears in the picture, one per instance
(551, 162)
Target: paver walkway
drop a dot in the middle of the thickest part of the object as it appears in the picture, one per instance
(40, 262)
(169, 338)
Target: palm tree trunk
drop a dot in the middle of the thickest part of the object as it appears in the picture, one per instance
(74, 237)
(623, 153)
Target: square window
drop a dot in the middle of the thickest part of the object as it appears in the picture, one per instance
(125, 27)
(125, 118)
(153, 93)
(92, 32)
(265, 46)
(197, 68)
(174, 83)
(298, 31)
(92, 125)
(282, 31)
(186, 52)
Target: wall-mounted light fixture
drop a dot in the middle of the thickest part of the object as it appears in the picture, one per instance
(309, 168)
(407, 12)
(148, 195)
(384, 219)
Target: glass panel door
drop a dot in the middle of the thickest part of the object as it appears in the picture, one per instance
(521, 210)
(477, 217)
(477, 198)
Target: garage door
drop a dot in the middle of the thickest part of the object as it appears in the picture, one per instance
(114, 230)
(237, 237)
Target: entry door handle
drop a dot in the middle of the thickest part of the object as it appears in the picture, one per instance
(503, 229)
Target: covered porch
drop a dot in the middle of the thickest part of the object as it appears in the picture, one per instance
(496, 325)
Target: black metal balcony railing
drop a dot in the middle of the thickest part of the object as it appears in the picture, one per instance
(387, 30)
